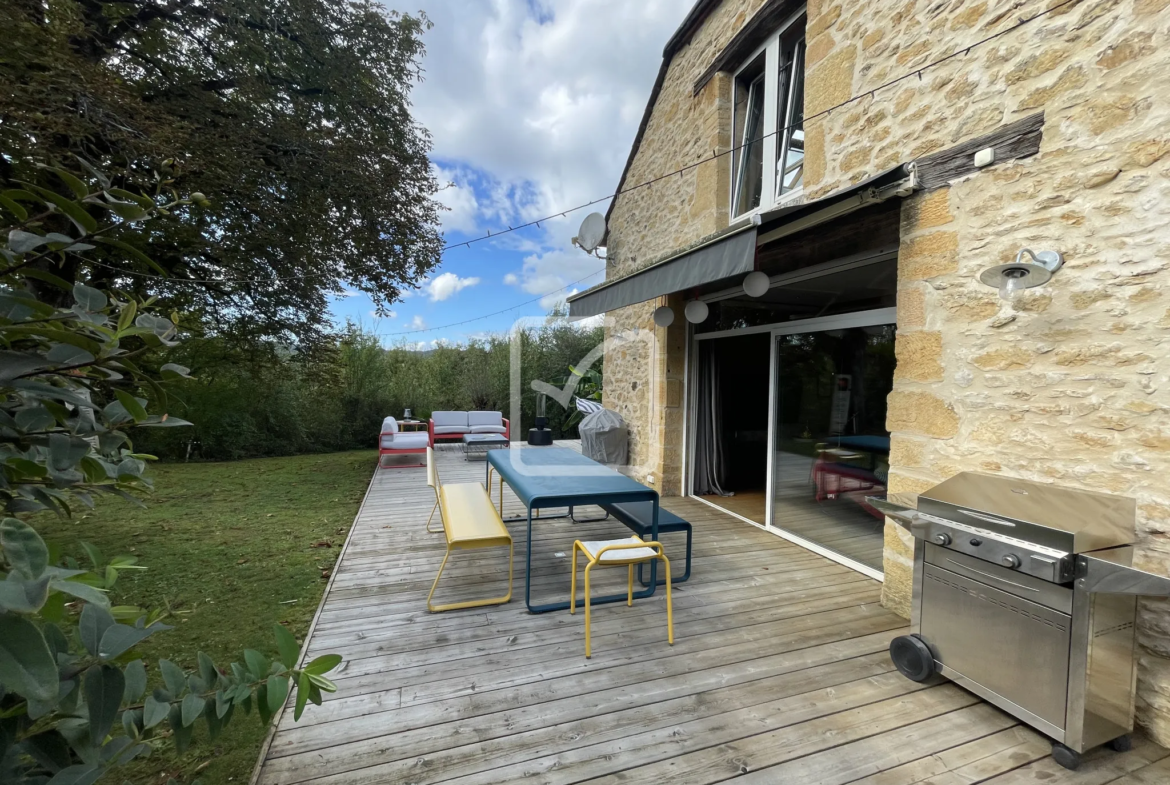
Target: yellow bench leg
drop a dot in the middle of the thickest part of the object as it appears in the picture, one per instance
(573, 583)
(453, 606)
(630, 588)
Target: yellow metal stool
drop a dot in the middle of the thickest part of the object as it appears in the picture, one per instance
(630, 552)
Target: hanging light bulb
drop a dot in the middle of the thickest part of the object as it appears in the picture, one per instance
(756, 284)
(1011, 282)
(664, 316)
(696, 311)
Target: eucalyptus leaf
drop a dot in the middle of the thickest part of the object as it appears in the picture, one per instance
(93, 597)
(277, 692)
(173, 677)
(18, 595)
(79, 774)
(26, 664)
(120, 638)
(257, 663)
(92, 625)
(104, 686)
(192, 707)
(64, 354)
(24, 549)
(287, 645)
(154, 711)
(21, 242)
(135, 675)
(89, 298)
(181, 732)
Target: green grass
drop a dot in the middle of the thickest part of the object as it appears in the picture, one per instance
(230, 549)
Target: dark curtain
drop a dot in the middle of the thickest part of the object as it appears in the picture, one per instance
(710, 461)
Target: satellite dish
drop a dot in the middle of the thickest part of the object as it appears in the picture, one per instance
(591, 231)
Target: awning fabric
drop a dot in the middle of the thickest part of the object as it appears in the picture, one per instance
(734, 254)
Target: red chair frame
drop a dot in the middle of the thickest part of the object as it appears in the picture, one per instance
(391, 451)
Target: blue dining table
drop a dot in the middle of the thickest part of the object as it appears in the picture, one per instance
(546, 478)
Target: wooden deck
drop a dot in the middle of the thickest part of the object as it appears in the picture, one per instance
(779, 672)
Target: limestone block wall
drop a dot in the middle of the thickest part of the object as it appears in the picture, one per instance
(649, 223)
(1071, 382)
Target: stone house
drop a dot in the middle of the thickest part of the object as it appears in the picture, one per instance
(832, 146)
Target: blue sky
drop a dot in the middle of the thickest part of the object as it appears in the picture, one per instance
(532, 107)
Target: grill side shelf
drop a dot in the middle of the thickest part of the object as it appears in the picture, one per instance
(1111, 572)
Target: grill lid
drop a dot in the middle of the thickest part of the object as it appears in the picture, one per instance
(1068, 520)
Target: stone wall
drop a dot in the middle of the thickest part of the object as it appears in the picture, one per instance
(1070, 382)
(649, 223)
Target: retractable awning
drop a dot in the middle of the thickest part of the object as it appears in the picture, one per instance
(733, 252)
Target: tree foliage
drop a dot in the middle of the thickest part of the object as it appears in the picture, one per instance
(75, 379)
(294, 113)
(266, 400)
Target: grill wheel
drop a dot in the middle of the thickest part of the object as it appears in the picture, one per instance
(912, 657)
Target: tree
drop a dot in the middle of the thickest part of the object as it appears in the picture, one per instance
(294, 113)
(74, 380)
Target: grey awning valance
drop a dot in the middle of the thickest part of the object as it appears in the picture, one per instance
(733, 252)
(723, 257)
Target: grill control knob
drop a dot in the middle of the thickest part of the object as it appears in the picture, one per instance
(942, 538)
(1011, 560)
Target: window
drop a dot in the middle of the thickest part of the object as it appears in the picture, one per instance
(768, 123)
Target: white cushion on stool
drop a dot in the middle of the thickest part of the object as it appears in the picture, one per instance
(630, 554)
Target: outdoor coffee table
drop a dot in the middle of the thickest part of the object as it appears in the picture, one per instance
(480, 443)
(553, 477)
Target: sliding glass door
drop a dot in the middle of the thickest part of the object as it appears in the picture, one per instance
(830, 447)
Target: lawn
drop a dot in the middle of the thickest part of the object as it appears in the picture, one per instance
(230, 548)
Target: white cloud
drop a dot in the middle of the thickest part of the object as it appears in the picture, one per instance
(388, 315)
(511, 279)
(557, 274)
(532, 107)
(447, 285)
(417, 323)
(458, 196)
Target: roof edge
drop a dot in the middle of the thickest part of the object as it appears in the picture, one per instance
(681, 37)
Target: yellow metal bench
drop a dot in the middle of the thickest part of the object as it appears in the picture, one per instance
(470, 521)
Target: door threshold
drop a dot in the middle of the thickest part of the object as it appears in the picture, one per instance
(820, 550)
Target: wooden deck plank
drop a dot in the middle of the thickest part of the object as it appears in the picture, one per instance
(778, 672)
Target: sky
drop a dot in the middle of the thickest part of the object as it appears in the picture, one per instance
(532, 106)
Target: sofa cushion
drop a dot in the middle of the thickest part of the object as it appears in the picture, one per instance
(441, 430)
(405, 441)
(389, 425)
(484, 418)
(488, 429)
(449, 420)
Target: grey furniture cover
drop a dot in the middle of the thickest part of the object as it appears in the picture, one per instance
(604, 437)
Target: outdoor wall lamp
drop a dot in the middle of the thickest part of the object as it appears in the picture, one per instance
(1021, 274)
(664, 316)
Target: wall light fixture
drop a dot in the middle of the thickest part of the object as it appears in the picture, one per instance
(1022, 274)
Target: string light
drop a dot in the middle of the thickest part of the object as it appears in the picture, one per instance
(648, 184)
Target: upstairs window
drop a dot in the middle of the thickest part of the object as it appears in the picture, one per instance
(768, 123)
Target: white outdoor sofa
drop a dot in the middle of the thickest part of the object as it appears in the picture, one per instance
(453, 426)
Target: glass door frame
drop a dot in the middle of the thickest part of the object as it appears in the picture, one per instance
(877, 316)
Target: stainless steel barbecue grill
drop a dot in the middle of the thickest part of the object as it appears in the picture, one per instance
(1025, 595)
